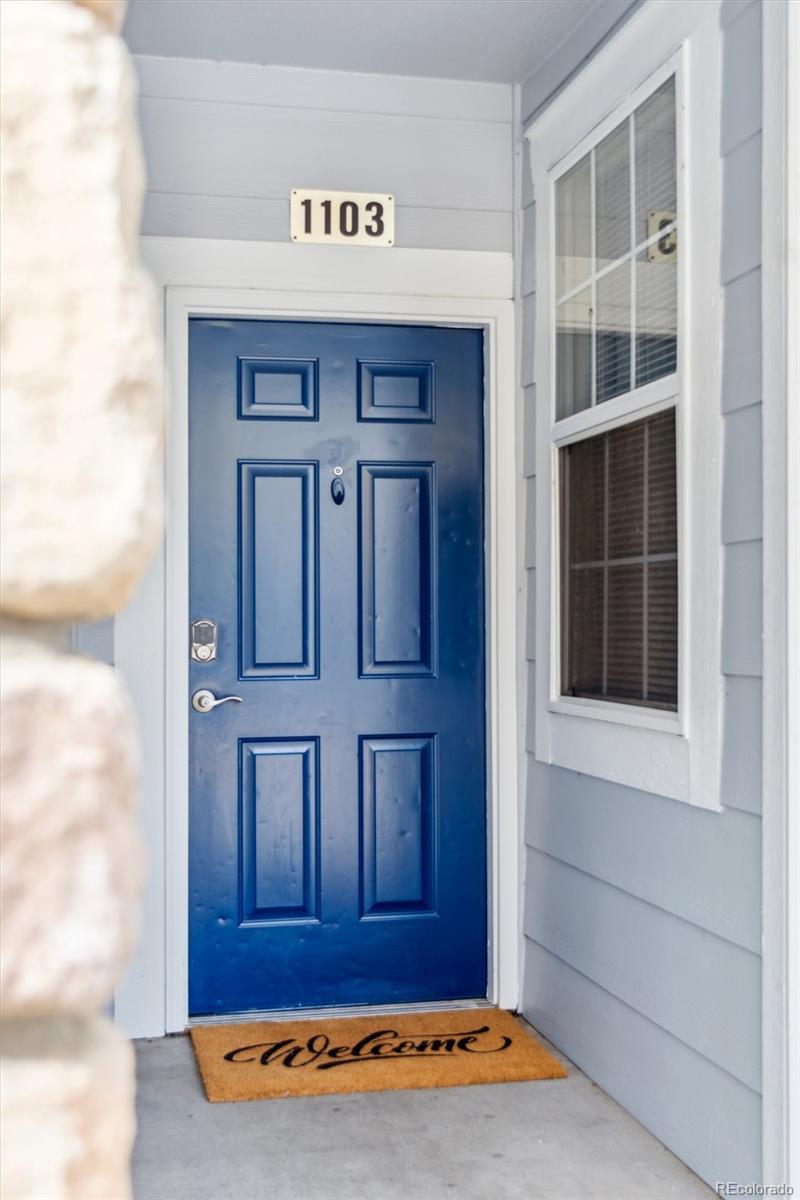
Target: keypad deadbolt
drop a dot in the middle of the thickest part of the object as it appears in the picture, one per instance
(204, 641)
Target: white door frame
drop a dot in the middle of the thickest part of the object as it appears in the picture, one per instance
(200, 277)
(780, 279)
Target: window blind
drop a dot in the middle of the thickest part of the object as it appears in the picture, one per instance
(619, 565)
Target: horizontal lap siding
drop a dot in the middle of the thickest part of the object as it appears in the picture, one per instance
(698, 988)
(257, 220)
(701, 865)
(708, 1118)
(642, 916)
(741, 404)
(596, 27)
(225, 143)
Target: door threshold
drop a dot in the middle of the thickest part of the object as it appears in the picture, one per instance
(350, 1010)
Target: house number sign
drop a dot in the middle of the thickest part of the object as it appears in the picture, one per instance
(343, 218)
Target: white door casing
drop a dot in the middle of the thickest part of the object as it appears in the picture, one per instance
(322, 283)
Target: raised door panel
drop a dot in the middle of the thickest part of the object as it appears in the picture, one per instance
(397, 615)
(398, 838)
(278, 554)
(395, 391)
(278, 389)
(279, 820)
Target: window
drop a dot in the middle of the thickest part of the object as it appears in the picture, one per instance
(626, 370)
(619, 565)
(616, 258)
(616, 331)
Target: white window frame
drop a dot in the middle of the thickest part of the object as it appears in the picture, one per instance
(676, 755)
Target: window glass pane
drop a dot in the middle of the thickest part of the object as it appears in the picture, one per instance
(584, 634)
(614, 333)
(655, 158)
(625, 484)
(613, 197)
(662, 634)
(574, 355)
(624, 673)
(619, 565)
(618, 329)
(662, 496)
(584, 485)
(657, 311)
(573, 227)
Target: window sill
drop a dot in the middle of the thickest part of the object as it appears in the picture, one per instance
(634, 715)
(649, 760)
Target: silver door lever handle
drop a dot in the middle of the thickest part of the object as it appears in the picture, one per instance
(204, 700)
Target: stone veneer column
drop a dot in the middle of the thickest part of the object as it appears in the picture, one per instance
(80, 451)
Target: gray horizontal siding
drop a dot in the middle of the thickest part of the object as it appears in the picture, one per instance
(741, 209)
(741, 609)
(700, 865)
(741, 743)
(731, 10)
(554, 73)
(741, 490)
(528, 277)
(249, 219)
(526, 340)
(530, 617)
(708, 1118)
(529, 432)
(340, 91)
(643, 915)
(742, 517)
(208, 149)
(530, 522)
(225, 143)
(700, 988)
(741, 340)
(741, 76)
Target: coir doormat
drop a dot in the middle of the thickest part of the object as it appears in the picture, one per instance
(268, 1059)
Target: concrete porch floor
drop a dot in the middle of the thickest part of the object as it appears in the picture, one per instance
(560, 1139)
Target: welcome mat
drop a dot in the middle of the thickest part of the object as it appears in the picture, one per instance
(263, 1060)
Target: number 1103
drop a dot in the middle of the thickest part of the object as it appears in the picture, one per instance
(345, 218)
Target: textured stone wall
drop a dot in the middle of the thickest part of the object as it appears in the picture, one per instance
(80, 448)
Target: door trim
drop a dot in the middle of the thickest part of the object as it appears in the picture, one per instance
(201, 278)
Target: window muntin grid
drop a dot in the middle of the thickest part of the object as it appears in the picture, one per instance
(616, 260)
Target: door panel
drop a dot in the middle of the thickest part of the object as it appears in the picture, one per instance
(278, 389)
(397, 568)
(337, 815)
(401, 391)
(278, 518)
(279, 823)
(398, 802)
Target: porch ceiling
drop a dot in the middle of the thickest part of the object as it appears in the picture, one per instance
(498, 42)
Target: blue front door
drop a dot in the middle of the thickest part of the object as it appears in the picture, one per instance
(337, 815)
